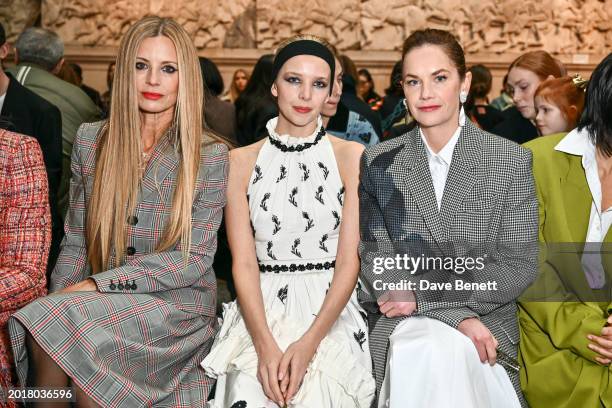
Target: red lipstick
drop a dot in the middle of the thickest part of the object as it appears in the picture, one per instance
(429, 108)
(151, 95)
(302, 109)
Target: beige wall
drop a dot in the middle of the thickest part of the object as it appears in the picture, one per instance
(235, 32)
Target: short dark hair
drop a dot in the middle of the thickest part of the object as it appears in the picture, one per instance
(77, 69)
(596, 118)
(2, 34)
(213, 81)
(481, 81)
(441, 38)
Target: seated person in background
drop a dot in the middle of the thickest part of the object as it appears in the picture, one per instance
(559, 103)
(25, 235)
(566, 331)
(134, 308)
(354, 119)
(524, 76)
(477, 105)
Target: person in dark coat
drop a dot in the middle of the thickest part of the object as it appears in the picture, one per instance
(27, 113)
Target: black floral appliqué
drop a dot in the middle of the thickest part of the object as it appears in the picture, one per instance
(309, 221)
(283, 173)
(294, 248)
(239, 404)
(319, 195)
(277, 224)
(282, 293)
(365, 137)
(341, 195)
(305, 171)
(337, 218)
(292, 195)
(263, 203)
(269, 250)
(322, 243)
(325, 170)
(258, 174)
(360, 338)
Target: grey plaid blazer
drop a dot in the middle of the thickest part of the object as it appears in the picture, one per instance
(489, 201)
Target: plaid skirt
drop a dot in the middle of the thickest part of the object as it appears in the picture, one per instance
(123, 350)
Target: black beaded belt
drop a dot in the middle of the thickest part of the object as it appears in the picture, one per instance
(297, 267)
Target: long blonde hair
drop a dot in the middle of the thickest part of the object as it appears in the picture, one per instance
(118, 157)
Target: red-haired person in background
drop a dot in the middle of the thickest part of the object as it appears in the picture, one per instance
(559, 103)
(25, 235)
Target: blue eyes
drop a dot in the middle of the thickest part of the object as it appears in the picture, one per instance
(168, 69)
(416, 82)
(317, 84)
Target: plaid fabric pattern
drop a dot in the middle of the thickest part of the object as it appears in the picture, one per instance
(489, 198)
(137, 341)
(25, 233)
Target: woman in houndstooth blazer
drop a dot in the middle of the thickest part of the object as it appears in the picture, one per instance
(25, 235)
(445, 191)
(134, 308)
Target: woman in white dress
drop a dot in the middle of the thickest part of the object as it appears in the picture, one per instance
(296, 336)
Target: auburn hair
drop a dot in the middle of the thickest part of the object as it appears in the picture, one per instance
(563, 93)
(540, 63)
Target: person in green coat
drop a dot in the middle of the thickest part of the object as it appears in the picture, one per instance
(566, 339)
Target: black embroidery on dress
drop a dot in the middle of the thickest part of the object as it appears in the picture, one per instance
(337, 217)
(297, 148)
(309, 221)
(319, 195)
(341, 195)
(294, 248)
(239, 404)
(263, 203)
(322, 243)
(305, 171)
(258, 175)
(292, 196)
(282, 293)
(364, 316)
(283, 173)
(328, 287)
(269, 250)
(277, 224)
(325, 170)
(360, 338)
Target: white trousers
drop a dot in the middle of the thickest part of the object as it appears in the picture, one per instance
(431, 364)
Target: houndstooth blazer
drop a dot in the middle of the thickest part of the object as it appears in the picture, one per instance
(489, 206)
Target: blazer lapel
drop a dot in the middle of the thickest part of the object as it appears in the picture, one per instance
(417, 178)
(161, 164)
(577, 198)
(461, 175)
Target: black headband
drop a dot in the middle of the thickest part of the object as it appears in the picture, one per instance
(305, 47)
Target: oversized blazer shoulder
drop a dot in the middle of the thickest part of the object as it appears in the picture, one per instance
(489, 200)
(190, 286)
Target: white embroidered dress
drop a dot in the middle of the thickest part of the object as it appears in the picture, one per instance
(295, 201)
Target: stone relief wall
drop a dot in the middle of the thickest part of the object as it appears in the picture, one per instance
(483, 26)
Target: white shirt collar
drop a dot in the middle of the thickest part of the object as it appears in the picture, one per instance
(577, 143)
(446, 153)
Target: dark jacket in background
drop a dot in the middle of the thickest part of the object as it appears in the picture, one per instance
(488, 119)
(252, 120)
(220, 116)
(31, 115)
(351, 102)
(515, 127)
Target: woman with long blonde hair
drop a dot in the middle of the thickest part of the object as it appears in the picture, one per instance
(134, 304)
(239, 82)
